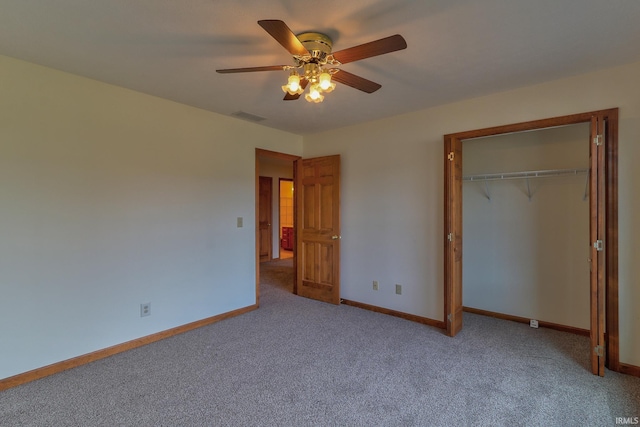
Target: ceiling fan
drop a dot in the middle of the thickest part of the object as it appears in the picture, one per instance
(318, 65)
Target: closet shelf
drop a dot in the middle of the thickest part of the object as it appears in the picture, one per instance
(525, 175)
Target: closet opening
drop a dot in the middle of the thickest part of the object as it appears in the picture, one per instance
(526, 226)
(542, 182)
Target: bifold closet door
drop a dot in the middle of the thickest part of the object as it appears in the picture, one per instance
(596, 240)
(453, 235)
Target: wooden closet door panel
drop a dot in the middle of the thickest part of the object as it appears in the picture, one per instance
(596, 240)
(453, 235)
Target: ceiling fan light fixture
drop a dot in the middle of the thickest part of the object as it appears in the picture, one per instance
(293, 86)
(325, 82)
(315, 94)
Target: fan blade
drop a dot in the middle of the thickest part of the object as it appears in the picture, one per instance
(368, 50)
(356, 82)
(289, 97)
(251, 69)
(283, 35)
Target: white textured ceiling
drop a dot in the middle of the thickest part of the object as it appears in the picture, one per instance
(457, 49)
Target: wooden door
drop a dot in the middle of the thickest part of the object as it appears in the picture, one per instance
(596, 240)
(264, 217)
(317, 229)
(453, 235)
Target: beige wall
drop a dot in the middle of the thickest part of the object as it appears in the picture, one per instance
(110, 198)
(392, 195)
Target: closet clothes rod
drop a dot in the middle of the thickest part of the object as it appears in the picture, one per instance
(550, 173)
(525, 175)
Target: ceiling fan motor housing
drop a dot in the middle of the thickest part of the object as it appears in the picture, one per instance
(319, 46)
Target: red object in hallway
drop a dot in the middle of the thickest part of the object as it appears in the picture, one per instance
(287, 238)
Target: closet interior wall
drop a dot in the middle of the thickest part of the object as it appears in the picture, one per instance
(526, 245)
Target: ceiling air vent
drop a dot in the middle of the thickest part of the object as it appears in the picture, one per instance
(247, 116)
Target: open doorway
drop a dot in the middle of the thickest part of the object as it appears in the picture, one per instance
(277, 168)
(603, 224)
(286, 217)
(316, 219)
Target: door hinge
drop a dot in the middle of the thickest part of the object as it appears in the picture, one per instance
(450, 237)
(598, 139)
(598, 350)
(449, 317)
(450, 156)
(599, 245)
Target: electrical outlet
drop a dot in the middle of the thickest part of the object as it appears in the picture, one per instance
(533, 323)
(375, 285)
(239, 222)
(399, 289)
(145, 309)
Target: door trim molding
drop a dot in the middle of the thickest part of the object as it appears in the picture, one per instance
(611, 211)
